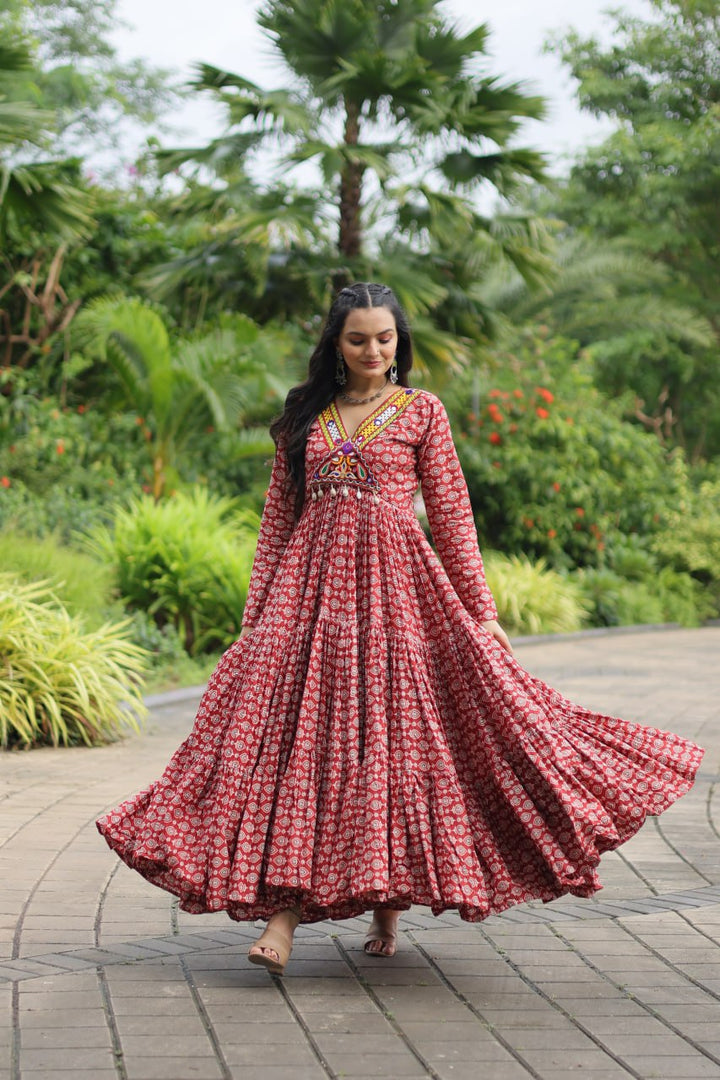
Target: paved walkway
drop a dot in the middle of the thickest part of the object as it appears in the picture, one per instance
(101, 978)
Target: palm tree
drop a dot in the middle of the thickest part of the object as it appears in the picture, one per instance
(39, 194)
(178, 389)
(383, 89)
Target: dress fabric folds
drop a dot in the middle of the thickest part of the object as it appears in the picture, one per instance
(370, 743)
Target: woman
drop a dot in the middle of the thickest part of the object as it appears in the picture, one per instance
(370, 741)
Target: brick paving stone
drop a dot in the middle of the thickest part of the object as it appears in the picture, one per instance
(66, 1058)
(79, 1037)
(459, 1070)
(74, 1074)
(289, 1054)
(390, 1066)
(171, 1068)
(682, 1068)
(280, 1072)
(62, 1018)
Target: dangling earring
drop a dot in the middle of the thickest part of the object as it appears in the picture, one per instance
(340, 370)
(394, 371)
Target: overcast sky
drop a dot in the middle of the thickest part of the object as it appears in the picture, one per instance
(179, 33)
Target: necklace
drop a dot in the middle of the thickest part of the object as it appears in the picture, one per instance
(364, 400)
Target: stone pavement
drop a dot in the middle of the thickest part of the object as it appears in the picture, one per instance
(101, 978)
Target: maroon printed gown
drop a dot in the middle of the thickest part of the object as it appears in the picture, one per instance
(370, 742)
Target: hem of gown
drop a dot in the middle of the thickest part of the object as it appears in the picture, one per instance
(584, 885)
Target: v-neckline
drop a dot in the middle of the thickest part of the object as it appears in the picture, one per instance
(345, 437)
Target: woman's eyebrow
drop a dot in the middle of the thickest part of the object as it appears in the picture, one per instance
(359, 333)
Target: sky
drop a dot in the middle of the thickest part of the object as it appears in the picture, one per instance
(176, 35)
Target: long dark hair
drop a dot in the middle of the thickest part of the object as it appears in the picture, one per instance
(306, 401)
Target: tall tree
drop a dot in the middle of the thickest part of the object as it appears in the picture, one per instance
(386, 89)
(391, 102)
(79, 76)
(654, 181)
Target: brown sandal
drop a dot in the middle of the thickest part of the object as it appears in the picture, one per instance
(273, 941)
(387, 937)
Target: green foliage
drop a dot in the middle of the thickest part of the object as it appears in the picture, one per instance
(81, 584)
(59, 683)
(78, 74)
(690, 542)
(447, 131)
(533, 599)
(61, 466)
(33, 193)
(663, 596)
(178, 388)
(654, 182)
(185, 561)
(553, 470)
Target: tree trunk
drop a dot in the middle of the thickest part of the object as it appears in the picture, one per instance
(350, 236)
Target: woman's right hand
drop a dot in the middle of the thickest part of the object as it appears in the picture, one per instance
(245, 630)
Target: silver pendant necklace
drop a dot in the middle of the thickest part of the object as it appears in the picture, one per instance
(362, 401)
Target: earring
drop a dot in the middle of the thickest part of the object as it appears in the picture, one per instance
(340, 371)
(394, 371)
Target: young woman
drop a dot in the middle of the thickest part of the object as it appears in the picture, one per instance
(370, 741)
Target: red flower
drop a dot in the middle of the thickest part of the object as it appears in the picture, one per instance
(528, 523)
(497, 464)
(139, 421)
(579, 511)
(545, 395)
(146, 488)
(552, 534)
(518, 393)
(82, 408)
(495, 438)
(60, 448)
(512, 429)
(12, 449)
(556, 486)
(495, 414)
(495, 393)
(542, 413)
(5, 481)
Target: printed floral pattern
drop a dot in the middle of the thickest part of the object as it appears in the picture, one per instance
(370, 743)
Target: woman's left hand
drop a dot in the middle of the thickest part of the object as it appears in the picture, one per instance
(493, 627)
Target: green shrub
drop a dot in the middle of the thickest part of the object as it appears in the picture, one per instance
(664, 596)
(553, 469)
(691, 541)
(185, 561)
(62, 468)
(82, 584)
(61, 684)
(532, 599)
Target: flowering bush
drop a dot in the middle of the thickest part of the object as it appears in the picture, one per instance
(553, 469)
(62, 467)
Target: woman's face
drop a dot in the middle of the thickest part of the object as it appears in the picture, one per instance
(368, 341)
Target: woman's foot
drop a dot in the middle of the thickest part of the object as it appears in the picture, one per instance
(273, 947)
(381, 939)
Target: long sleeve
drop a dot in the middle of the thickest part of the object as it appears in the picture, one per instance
(450, 516)
(276, 526)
